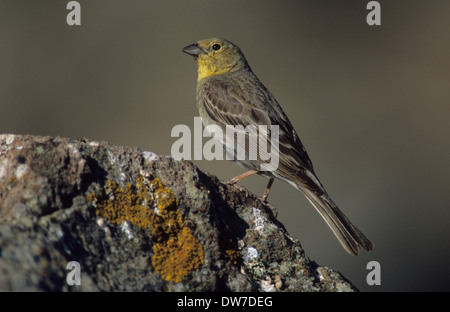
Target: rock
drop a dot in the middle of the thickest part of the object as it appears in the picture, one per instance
(114, 218)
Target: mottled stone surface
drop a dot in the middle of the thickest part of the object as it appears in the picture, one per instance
(112, 210)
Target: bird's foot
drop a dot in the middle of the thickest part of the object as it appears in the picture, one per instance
(229, 182)
(270, 206)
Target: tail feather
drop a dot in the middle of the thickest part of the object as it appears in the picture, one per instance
(348, 235)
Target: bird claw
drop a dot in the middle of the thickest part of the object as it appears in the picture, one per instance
(236, 186)
(229, 182)
(270, 206)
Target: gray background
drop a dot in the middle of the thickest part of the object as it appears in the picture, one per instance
(371, 105)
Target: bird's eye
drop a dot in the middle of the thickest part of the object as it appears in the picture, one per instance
(216, 47)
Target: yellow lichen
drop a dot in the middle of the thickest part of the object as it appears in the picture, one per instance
(233, 255)
(177, 255)
(149, 204)
(230, 249)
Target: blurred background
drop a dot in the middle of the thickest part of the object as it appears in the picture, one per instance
(370, 103)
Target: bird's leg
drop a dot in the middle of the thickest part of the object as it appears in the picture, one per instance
(242, 176)
(266, 193)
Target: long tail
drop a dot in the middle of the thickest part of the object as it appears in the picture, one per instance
(348, 235)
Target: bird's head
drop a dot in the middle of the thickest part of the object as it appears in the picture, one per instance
(216, 57)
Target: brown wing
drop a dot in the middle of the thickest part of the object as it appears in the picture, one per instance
(247, 102)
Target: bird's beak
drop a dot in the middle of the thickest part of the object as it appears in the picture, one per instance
(193, 49)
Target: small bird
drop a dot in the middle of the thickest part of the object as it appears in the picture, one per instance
(229, 93)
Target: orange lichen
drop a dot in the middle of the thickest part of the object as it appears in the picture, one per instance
(177, 256)
(230, 249)
(234, 256)
(149, 204)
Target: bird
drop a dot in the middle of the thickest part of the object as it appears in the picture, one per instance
(229, 93)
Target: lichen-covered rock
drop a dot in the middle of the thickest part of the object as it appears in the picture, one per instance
(135, 221)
